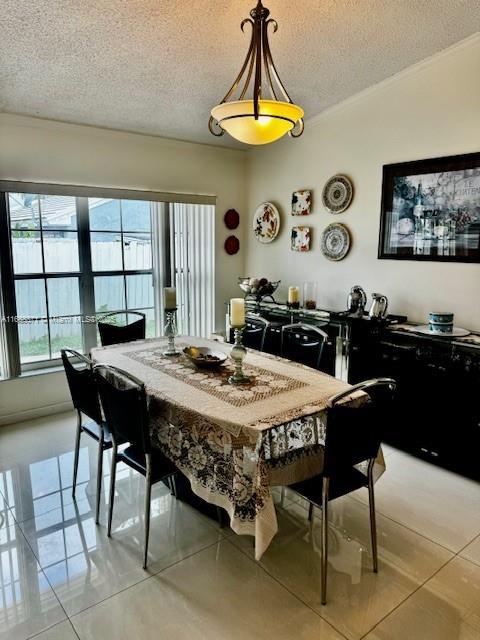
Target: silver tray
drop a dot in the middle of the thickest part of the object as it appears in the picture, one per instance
(457, 332)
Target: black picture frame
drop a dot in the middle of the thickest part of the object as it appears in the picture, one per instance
(440, 223)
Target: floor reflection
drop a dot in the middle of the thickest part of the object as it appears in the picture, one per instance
(75, 557)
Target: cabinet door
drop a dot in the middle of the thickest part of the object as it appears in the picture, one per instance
(398, 362)
(462, 441)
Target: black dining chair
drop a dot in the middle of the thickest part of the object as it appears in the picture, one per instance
(125, 406)
(84, 393)
(303, 343)
(115, 328)
(255, 331)
(353, 435)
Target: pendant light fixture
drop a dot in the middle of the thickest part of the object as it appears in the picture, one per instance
(256, 120)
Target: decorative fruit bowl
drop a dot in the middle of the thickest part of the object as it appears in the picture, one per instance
(258, 287)
(205, 358)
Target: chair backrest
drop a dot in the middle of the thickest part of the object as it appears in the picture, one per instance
(113, 333)
(82, 385)
(354, 433)
(124, 405)
(303, 343)
(254, 332)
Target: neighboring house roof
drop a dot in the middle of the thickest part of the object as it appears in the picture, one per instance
(59, 211)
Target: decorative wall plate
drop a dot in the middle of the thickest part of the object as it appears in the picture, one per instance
(301, 203)
(266, 222)
(232, 245)
(337, 194)
(300, 238)
(335, 241)
(231, 219)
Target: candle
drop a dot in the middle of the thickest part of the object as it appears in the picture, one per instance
(293, 294)
(237, 312)
(170, 298)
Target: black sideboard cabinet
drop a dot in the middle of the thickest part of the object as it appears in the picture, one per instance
(437, 412)
(437, 416)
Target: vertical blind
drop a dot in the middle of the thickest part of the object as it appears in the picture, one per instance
(193, 266)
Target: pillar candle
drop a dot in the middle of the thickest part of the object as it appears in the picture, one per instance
(170, 298)
(237, 312)
(293, 294)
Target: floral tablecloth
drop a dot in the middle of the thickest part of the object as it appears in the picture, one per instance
(233, 442)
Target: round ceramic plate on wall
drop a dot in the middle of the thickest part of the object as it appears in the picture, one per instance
(266, 222)
(335, 241)
(231, 219)
(337, 194)
(232, 245)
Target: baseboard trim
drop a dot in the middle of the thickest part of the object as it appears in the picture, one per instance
(37, 412)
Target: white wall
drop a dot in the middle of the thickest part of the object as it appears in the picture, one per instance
(430, 110)
(43, 151)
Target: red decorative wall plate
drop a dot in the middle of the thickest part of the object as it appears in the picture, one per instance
(232, 245)
(231, 219)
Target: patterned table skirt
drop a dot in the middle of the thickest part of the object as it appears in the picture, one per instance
(238, 476)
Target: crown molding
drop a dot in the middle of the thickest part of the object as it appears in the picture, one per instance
(413, 69)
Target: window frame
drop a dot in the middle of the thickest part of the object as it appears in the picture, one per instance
(160, 270)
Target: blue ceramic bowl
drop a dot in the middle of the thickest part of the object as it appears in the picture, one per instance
(443, 317)
(441, 327)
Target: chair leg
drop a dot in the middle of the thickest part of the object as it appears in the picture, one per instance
(220, 518)
(310, 513)
(113, 471)
(324, 538)
(373, 523)
(174, 486)
(282, 496)
(77, 452)
(148, 493)
(99, 478)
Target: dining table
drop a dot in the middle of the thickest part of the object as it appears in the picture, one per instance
(234, 442)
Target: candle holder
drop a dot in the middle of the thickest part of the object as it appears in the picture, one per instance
(293, 305)
(171, 332)
(238, 354)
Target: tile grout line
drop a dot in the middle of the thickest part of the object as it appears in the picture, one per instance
(149, 577)
(53, 627)
(474, 562)
(44, 575)
(296, 596)
(422, 535)
(16, 524)
(67, 616)
(453, 557)
(420, 586)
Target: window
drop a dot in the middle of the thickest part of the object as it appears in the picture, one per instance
(121, 252)
(46, 267)
(66, 260)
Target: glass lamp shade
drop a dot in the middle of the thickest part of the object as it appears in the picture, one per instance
(275, 120)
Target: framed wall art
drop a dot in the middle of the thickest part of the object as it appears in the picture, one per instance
(431, 210)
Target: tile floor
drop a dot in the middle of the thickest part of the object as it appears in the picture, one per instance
(61, 578)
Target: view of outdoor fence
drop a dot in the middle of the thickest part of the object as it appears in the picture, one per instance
(60, 296)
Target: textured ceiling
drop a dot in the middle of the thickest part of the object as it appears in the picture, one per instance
(158, 66)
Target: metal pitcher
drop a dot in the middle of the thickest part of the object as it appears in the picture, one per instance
(357, 300)
(379, 306)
